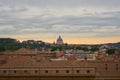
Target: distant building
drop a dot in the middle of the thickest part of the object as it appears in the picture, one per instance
(59, 41)
(32, 42)
(29, 64)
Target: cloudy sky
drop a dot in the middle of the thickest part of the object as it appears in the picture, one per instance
(77, 21)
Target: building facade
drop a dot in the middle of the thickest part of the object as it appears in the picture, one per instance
(27, 65)
(59, 41)
(72, 70)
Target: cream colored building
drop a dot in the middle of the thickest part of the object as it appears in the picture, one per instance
(59, 41)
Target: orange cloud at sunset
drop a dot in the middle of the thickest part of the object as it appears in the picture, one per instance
(67, 39)
(87, 40)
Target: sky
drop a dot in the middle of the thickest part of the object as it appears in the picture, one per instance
(77, 21)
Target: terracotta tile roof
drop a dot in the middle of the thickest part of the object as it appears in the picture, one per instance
(72, 57)
(82, 64)
(60, 54)
(52, 64)
(23, 51)
(117, 52)
(21, 61)
(18, 61)
(3, 59)
(25, 62)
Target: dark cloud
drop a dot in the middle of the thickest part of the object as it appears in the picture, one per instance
(60, 16)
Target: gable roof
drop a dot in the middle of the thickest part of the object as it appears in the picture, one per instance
(17, 61)
(23, 51)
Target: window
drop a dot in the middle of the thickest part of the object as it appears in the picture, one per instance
(88, 71)
(106, 68)
(15, 71)
(46, 71)
(36, 71)
(78, 71)
(105, 64)
(116, 65)
(116, 68)
(25, 71)
(57, 71)
(4, 71)
(67, 71)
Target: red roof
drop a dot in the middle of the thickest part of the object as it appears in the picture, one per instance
(71, 58)
(60, 54)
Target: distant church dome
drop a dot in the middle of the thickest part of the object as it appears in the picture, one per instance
(59, 40)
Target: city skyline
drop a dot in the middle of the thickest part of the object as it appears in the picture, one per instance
(78, 22)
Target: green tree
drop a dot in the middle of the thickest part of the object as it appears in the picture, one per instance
(110, 51)
(2, 49)
(85, 49)
(94, 49)
(78, 47)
